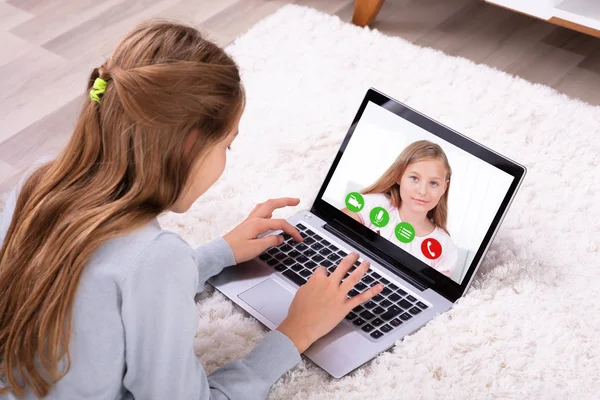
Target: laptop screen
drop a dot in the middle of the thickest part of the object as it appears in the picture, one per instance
(423, 194)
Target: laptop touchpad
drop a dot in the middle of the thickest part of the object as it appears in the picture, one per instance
(270, 299)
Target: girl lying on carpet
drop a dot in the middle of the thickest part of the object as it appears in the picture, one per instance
(97, 301)
(414, 189)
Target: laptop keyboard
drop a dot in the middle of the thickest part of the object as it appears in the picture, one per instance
(377, 317)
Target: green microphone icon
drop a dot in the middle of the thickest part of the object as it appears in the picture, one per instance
(379, 217)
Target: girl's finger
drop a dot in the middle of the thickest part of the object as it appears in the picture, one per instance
(340, 271)
(364, 296)
(263, 225)
(355, 276)
(321, 270)
(265, 210)
(262, 244)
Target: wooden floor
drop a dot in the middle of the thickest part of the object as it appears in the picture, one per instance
(49, 48)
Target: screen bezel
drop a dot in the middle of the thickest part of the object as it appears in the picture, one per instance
(370, 240)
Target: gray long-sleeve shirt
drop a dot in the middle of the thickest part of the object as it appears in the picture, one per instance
(135, 318)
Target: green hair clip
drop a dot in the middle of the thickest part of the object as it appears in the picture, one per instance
(97, 89)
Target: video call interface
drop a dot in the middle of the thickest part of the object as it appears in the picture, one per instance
(428, 197)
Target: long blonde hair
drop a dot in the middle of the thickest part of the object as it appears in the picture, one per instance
(124, 165)
(388, 182)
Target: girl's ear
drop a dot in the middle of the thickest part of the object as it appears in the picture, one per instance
(446, 185)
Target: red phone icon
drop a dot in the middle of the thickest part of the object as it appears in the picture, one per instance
(431, 248)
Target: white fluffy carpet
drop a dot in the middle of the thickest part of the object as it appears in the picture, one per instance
(528, 328)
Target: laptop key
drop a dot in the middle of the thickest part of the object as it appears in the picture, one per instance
(378, 310)
(301, 247)
(414, 310)
(332, 257)
(288, 261)
(411, 298)
(358, 309)
(273, 262)
(386, 328)
(422, 305)
(367, 279)
(317, 246)
(360, 286)
(370, 305)
(350, 315)
(366, 314)
(300, 226)
(294, 277)
(392, 286)
(376, 334)
(264, 256)
(280, 267)
(405, 304)
(401, 292)
(294, 253)
(384, 281)
(375, 275)
(272, 251)
(309, 232)
(385, 303)
(310, 253)
(353, 293)
(385, 291)
(325, 243)
(317, 237)
(367, 328)
(297, 267)
(391, 313)
(356, 264)
(325, 252)
(405, 317)
(280, 256)
(333, 248)
(286, 248)
(377, 297)
(318, 258)
(358, 321)
(396, 322)
(326, 263)
(342, 253)
(305, 273)
(377, 321)
(394, 297)
(308, 241)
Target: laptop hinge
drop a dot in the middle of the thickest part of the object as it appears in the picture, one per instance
(342, 236)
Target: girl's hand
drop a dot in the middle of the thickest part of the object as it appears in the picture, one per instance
(243, 238)
(321, 304)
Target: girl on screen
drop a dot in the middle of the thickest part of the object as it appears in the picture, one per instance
(414, 190)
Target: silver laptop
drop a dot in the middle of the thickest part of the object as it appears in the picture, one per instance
(386, 196)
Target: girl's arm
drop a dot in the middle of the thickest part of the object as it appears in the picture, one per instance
(211, 258)
(160, 321)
